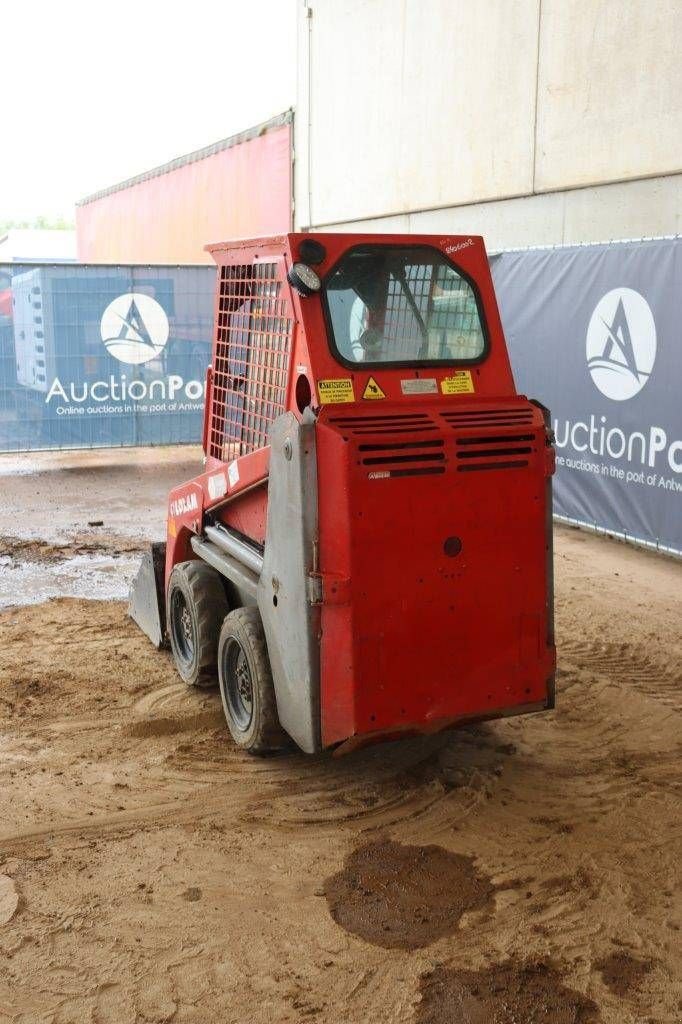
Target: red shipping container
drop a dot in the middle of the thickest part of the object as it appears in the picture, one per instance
(238, 188)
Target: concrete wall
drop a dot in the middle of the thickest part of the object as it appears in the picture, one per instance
(529, 121)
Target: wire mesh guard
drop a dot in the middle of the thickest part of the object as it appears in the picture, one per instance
(253, 342)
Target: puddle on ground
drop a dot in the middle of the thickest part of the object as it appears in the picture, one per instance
(35, 549)
(405, 897)
(502, 994)
(101, 577)
(88, 563)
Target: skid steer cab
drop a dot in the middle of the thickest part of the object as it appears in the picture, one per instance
(368, 551)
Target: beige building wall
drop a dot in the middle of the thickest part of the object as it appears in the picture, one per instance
(531, 122)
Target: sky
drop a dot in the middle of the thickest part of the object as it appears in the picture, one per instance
(96, 92)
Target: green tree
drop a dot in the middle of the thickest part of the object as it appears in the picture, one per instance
(41, 223)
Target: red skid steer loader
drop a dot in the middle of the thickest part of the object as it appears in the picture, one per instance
(368, 552)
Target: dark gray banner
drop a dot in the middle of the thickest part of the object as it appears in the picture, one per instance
(595, 333)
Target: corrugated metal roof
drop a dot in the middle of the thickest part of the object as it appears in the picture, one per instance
(199, 154)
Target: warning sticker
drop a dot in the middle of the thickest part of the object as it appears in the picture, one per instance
(333, 391)
(459, 383)
(372, 390)
(419, 386)
(217, 486)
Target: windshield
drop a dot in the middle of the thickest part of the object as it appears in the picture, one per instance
(402, 305)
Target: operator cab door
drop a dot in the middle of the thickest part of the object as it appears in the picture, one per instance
(400, 306)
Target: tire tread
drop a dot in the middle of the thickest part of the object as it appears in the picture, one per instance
(268, 735)
(206, 591)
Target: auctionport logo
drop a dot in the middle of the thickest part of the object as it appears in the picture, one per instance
(134, 328)
(621, 344)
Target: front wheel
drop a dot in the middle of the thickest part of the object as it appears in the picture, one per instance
(246, 686)
(196, 606)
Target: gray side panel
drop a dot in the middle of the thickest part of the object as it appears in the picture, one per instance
(549, 562)
(291, 622)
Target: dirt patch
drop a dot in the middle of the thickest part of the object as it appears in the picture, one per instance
(503, 994)
(31, 550)
(622, 973)
(192, 894)
(150, 727)
(405, 897)
(562, 827)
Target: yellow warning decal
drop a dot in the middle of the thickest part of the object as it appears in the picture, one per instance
(459, 383)
(335, 391)
(372, 390)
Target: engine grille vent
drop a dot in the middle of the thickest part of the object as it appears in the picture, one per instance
(494, 451)
(408, 458)
(489, 418)
(407, 423)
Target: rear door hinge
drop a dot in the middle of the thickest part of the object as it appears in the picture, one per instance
(328, 588)
(314, 588)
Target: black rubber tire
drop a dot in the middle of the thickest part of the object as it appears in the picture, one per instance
(196, 601)
(242, 635)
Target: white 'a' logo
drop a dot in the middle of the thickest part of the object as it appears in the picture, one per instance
(134, 328)
(621, 343)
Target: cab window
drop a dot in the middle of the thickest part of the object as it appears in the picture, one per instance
(402, 305)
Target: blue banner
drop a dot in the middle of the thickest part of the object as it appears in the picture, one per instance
(102, 356)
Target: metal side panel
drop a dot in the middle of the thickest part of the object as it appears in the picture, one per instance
(291, 622)
(549, 565)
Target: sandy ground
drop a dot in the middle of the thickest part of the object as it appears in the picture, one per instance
(51, 495)
(517, 872)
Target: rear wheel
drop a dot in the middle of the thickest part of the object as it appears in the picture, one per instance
(246, 686)
(195, 606)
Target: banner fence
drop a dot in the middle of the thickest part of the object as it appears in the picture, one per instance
(595, 333)
(104, 356)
